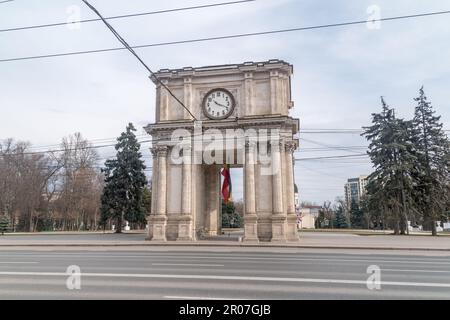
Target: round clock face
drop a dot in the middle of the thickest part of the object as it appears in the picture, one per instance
(218, 104)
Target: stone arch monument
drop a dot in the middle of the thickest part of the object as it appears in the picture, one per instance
(242, 119)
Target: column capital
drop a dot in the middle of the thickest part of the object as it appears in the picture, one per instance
(186, 152)
(250, 144)
(290, 146)
(154, 152)
(277, 144)
(162, 150)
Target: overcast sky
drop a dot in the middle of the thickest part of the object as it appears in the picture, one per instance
(339, 73)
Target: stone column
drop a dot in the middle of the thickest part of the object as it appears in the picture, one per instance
(278, 214)
(212, 193)
(250, 218)
(154, 193)
(164, 102)
(160, 219)
(291, 234)
(187, 97)
(274, 92)
(185, 222)
(248, 94)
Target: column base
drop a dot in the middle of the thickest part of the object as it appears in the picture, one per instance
(291, 230)
(250, 240)
(185, 239)
(250, 228)
(279, 226)
(185, 228)
(158, 225)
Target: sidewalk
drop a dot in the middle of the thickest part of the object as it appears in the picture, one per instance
(322, 240)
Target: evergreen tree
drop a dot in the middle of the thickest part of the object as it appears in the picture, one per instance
(4, 224)
(372, 211)
(356, 216)
(341, 219)
(391, 152)
(147, 198)
(374, 206)
(320, 221)
(431, 174)
(230, 218)
(125, 181)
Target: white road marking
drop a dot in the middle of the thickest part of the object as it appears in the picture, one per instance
(236, 278)
(277, 259)
(188, 264)
(18, 262)
(411, 270)
(244, 258)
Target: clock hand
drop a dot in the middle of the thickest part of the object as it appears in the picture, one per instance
(221, 105)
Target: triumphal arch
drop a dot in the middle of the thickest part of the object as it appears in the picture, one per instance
(234, 115)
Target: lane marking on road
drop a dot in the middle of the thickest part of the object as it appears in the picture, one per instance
(18, 262)
(235, 278)
(200, 298)
(278, 259)
(188, 264)
(274, 258)
(412, 270)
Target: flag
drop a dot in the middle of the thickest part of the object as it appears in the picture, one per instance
(226, 186)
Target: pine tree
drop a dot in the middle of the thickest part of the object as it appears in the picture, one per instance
(356, 216)
(230, 218)
(341, 219)
(147, 199)
(320, 221)
(4, 224)
(432, 168)
(125, 181)
(391, 152)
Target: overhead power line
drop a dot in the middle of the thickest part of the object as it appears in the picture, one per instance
(127, 46)
(334, 157)
(233, 36)
(347, 149)
(55, 24)
(69, 149)
(337, 131)
(148, 141)
(144, 138)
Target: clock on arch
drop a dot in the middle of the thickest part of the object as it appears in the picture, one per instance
(218, 104)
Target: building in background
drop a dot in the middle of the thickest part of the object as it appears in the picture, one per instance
(308, 216)
(355, 188)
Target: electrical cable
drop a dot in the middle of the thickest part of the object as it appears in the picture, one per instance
(233, 36)
(55, 24)
(127, 46)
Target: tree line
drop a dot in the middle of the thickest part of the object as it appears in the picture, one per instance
(66, 190)
(49, 191)
(411, 160)
(411, 174)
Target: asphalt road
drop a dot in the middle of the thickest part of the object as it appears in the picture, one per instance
(231, 273)
(308, 239)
